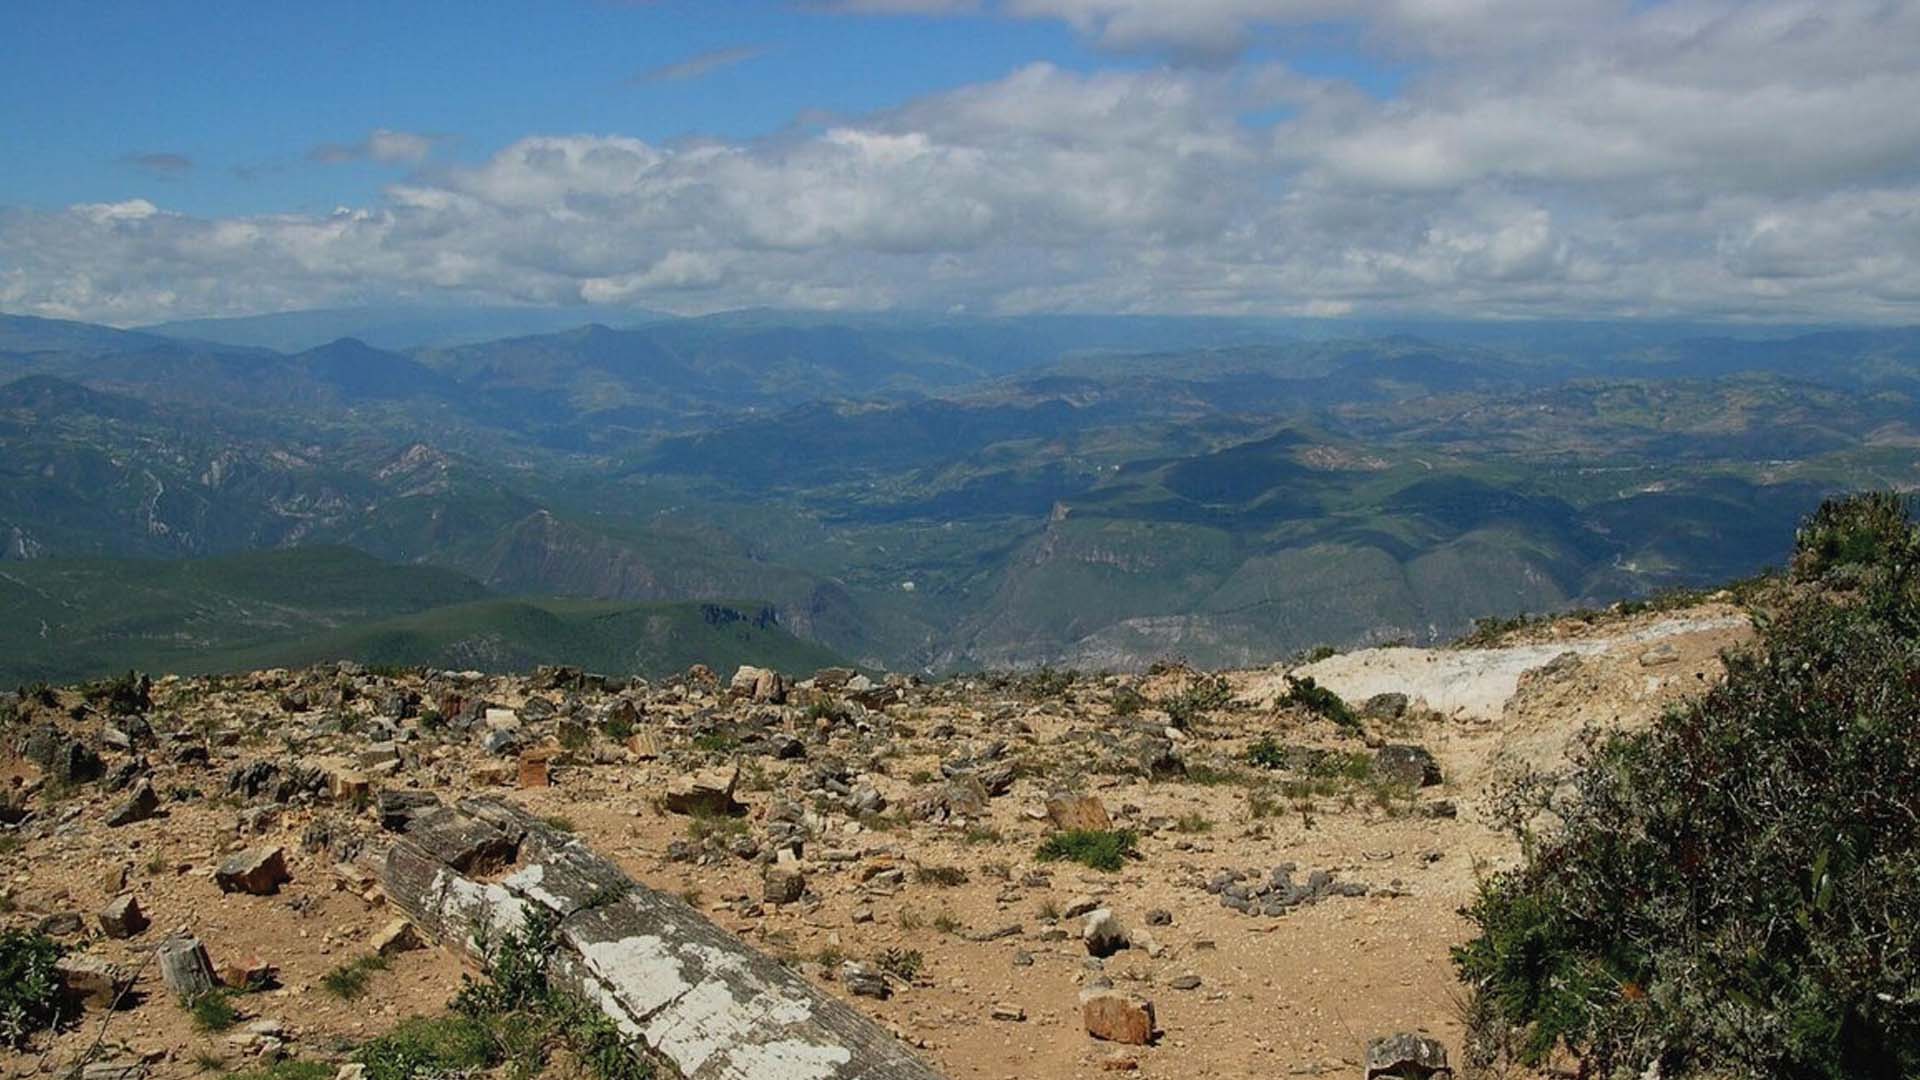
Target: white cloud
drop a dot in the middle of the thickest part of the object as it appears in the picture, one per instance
(699, 65)
(381, 145)
(1595, 157)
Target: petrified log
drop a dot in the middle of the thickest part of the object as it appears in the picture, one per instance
(692, 993)
(184, 967)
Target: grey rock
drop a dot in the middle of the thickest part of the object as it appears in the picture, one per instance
(1406, 1056)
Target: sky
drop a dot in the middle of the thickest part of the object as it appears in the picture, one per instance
(1700, 159)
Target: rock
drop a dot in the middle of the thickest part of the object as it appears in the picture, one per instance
(114, 1070)
(139, 805)
(784, 884)
(1103, 933)
(764, 686)
(347, 786)
(1385, 707)
(352, 1070)
(1117, 1017)
(536, 771)
(1406, 1056)
(257, 870)
(89, 979)
(251, 973)
(62, 924)
(1084, 813)
(395, 937)
(643, 746)
(1660, 655)
(1409, 766)
(397, 807)
(1080, 905)
(122, 917)
(1159, 917)
(184, 966)
(1008, 1012)
(862, 980)
(707, 792)
(64, 759)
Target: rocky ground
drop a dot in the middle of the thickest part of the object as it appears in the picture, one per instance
(1294, 892)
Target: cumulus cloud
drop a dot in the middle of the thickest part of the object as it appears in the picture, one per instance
(699, 65)
(381, 145)
(1606, 158)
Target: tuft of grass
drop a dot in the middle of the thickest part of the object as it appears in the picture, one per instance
(982, 834)
(903, 964)
(561, 822)
(349, 980)
(947, 924)
(1100, 849)
(428, 1046)
(944, 876)
(213, 1012)
(1194, 822)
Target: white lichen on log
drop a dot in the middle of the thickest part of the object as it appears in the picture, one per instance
(695, 995)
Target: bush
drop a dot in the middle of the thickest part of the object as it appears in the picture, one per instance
(29, 988)
(1735, 890)
(213, 1012)
(1320, 701)
(349, 980)
(1856, 541)
(1100, 849)
(427, 1045)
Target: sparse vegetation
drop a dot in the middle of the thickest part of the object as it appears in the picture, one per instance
(213, 1011)
(944, 876)
(1320, 701)
(1735, 891)
(1100, 849)
(902, 964)
(349, 980)
(29, 988)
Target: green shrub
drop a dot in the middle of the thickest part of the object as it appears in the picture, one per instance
(903, 964)
(1735, 890)
(1851, 541)
(1320, 701)
(29, 988)
(289, 1069)
(1101, 849)
(1203, 695)
(427, 1045)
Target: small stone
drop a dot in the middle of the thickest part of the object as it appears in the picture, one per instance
(1406, 1056)
(1078, 813)
(396, 937)
(1185, 982)
(1408, 766)
(709, 791)
(784, 884)
(89, 979)
(1116, 1016)
(1660, 655)
(139, 805)
(1103, 933)
(257, 870)
(122, 917)
(536, 771)
(1010, 1013)
(862, 980)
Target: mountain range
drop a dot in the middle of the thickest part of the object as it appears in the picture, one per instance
(908, 492)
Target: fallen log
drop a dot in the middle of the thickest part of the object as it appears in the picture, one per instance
(691, 993)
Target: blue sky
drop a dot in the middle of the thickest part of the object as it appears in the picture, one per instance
(1739, 159)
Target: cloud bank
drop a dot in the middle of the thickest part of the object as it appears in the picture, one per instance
(1590, 158)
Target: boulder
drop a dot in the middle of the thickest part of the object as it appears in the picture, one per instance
(89, 979)
(122, 917)
(784, 884)
(1104, 934)
(257, 870)
(863, 980)
(184, 966)
(1406, 1056)
(536, 770)
(1409, 766)
(1115, 1016)
(1083, 813)
(139, 805)
(395, 937)
(706, 792)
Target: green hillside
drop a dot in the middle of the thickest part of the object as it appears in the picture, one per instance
(515, 635)
(73, 619)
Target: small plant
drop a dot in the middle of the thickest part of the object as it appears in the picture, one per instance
(1100, 849)
(29, 988)
(908, 920)
(289, 1069)
(944, 876)
(1127, 701)
(349, 980)
(982, 834)
(428, 1046)
(1194, 822)
(558, 822)
(702, 826)
(945, 923)
(213, 1012)
(1205, 694)
(902, 964)
(1048, 911)
(716, 743)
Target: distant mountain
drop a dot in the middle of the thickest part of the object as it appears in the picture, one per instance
(28, 334)
(393, 327)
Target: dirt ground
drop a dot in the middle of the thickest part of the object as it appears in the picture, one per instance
(1235, 994)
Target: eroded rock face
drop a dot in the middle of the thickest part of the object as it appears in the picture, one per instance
(1070, 813)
